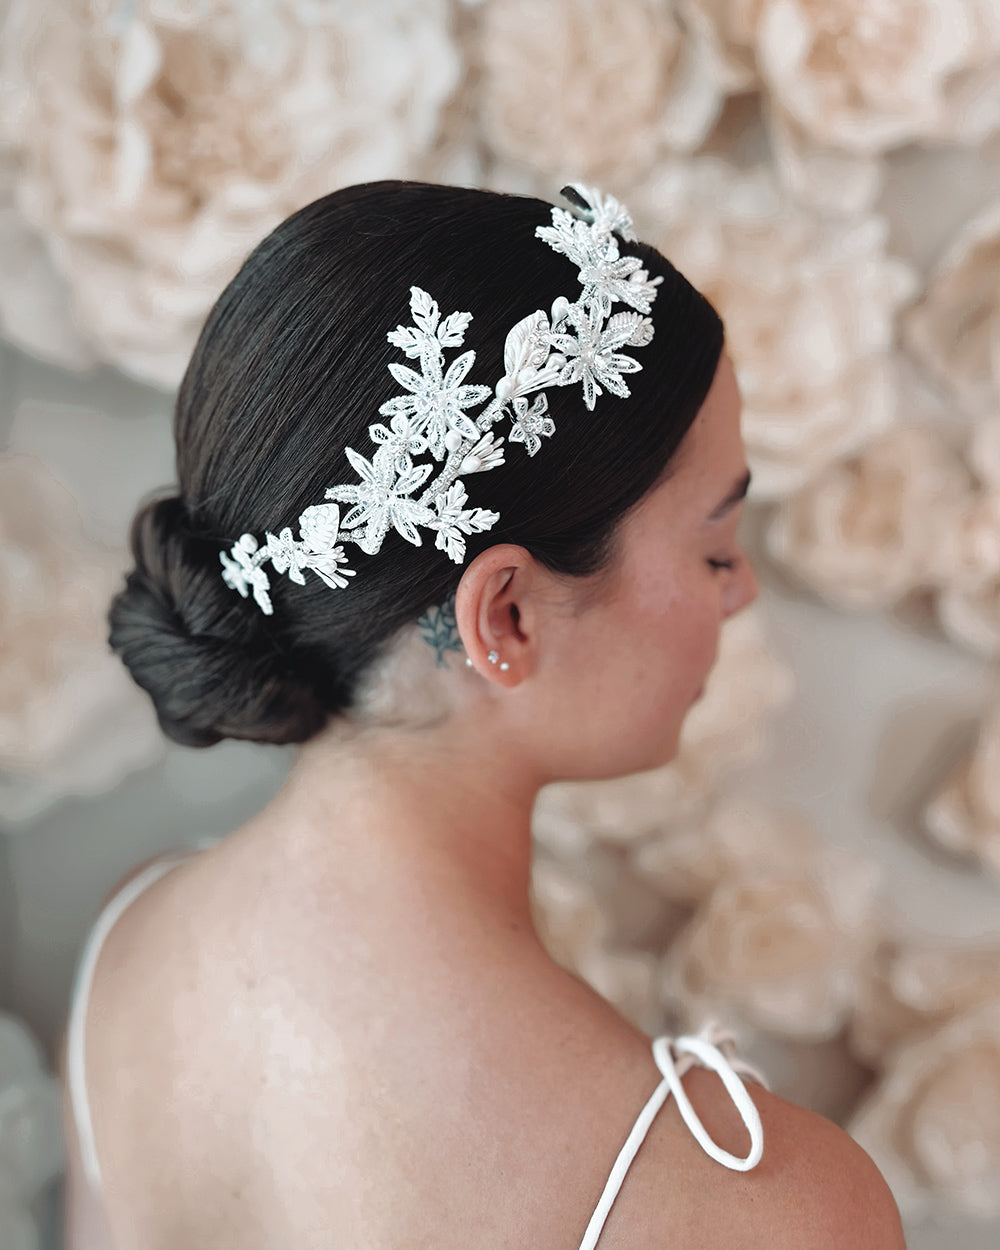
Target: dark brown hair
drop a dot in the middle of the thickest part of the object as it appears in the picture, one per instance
(291, 368)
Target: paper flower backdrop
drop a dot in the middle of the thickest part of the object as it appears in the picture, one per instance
(157, 143)
(933, 1123)
(31, 1145)
(954, 328)
(965, 816)
(71, 720)
(868, 530)
(631, 84)
(808, 304)
(147, 145)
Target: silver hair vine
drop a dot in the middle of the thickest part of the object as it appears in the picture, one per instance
(573, 342)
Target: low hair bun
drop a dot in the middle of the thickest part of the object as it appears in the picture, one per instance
(200, 652)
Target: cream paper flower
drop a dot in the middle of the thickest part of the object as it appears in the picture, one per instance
(71, 721)
(826, 178)
(574, 911)
(33, 1153)
(932, 1124)
(590, 89)
(867, 76)
(725, 730)
(909, 988)
(972, 618)
(808, 305)
(867, 531)
(965, 815)
(781, 945)
(968, 545)
(736, 837)
(984, 446)
(159, 142)
(954, 329)
(729, 29)
(34, 299)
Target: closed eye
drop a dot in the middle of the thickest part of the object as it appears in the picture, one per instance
(722, 564)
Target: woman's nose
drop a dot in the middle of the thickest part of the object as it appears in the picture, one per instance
(743, 589)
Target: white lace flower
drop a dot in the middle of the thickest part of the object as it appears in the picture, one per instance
(402, 437)
(382, 498)
(577, 240)
(591, 355)
(286, 555)
(530, 425)
(437, 400)
(241, 572)
(606, 275)
(454, 520)
(432, 416)
(429, 334)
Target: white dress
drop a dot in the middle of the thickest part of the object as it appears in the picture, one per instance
(673, 1057)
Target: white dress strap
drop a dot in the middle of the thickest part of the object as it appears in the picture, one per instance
(703, 1047)
(87, 962)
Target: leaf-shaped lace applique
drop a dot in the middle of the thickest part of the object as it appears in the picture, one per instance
(454, 520)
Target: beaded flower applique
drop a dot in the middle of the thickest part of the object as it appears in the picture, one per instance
(573, 342)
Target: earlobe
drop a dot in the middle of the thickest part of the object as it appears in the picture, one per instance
(487, 614)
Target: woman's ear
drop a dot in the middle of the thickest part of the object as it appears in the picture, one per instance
(497, 613)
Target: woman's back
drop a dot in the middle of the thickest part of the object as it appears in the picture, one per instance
(267, 1071)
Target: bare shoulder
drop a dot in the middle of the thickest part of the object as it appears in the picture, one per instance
(814, 1186)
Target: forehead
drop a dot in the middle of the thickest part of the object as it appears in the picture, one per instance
(711, 456)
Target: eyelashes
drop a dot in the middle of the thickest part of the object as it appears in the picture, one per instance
(722, 564)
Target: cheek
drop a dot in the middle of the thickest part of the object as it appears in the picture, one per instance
(680, 620)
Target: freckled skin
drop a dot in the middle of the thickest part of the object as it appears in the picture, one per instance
(615, 683)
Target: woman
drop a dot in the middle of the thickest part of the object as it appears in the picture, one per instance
(337, 1027)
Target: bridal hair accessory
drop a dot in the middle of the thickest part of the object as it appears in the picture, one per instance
(574, 342)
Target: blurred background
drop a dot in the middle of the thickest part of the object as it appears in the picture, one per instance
(820, 866)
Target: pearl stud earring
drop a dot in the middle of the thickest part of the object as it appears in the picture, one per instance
(492, 657)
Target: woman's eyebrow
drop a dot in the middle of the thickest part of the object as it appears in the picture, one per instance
(737, 492)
